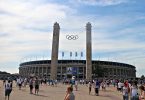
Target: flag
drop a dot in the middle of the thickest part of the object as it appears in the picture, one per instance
(70, 54)
(62, 54)
(81, 54)
(76, 54)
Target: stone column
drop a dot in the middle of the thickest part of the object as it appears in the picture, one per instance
(26, 71)
(29, 71)
(23, 71)
(61, 71)
(88, 52)
(38, 71)
(42, 71)
(120, 73)
(35, 70)
(112, 70)
(125, 73)
(54, 54)
(47, 71)
(116, 73)
(83, 72)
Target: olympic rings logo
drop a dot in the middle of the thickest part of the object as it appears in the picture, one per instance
(72, 37)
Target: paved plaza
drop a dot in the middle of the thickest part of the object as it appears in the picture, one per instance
(58, 93)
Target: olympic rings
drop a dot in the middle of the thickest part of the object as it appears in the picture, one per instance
(72, 37)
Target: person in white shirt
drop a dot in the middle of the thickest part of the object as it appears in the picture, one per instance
(8, 89)
(19, 82)
(25, 82)
(134, 92)
(83, 81)
(103, 85)
(76, 85)
(120, 86)
(56, 83)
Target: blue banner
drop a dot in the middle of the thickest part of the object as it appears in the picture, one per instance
(72, 70)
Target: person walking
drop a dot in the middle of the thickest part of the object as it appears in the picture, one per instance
(8, 89)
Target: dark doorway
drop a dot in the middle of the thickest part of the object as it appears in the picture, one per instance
(69, 76)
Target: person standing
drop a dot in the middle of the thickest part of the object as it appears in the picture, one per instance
(125, 91)
(76, 85)
(8, 89)
(31, 85)
(103, 85)
(36, 86)
(134, 92)
(90, 86)
(25, 82)
(142, 93)
(120, 84)
(113, 82)
(69, 94)
(97, 86)
(19, 82)
(56, 82)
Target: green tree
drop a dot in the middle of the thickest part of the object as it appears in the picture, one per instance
(142, 77)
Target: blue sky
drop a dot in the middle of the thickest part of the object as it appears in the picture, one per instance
(118, 30)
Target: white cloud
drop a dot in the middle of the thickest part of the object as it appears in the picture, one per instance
(26, 28)
(22, 24)
(28, 14)
(102, 2)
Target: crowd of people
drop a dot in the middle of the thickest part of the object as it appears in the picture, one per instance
(130, 89)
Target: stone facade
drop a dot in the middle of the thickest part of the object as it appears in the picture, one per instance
(42, 68)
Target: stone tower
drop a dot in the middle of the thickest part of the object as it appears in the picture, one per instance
(88, 52)
(54, 53)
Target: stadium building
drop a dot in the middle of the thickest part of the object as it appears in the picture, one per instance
(69, 68)
(86, 69)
